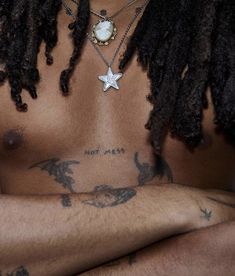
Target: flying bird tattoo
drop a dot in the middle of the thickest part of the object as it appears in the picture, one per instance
(147, 172)
(58, 169)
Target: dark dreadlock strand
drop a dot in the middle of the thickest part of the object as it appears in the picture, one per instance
(30, 74)
(137, 36)
(5, 8)
(79, 34)
(189, 107)
(29, 24)
(49, 32)
(223, 70)
(18, 35)
(164, 94)
(161, 20)
(160, 39)
(164, 17)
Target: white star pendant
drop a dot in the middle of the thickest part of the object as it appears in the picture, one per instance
(110, 80)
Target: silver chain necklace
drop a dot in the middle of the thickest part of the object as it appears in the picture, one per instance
(127, 5)
(105, 30)
(110, 79)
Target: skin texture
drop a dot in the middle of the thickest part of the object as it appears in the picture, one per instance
(87, 142)
(54, 127)
(183, 255)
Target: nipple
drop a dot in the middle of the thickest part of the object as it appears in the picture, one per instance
(13, 139)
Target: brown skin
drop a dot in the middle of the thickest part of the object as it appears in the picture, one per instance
(196, 254)
(66, 128)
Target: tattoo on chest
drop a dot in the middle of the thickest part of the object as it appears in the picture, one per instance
(66, 201)
(106, 196)
(19, 271)
(105, 152)
(148, 172)
(206, 214)
(60, 170)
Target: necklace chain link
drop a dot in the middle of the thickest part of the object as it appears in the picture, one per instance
(109, 64)
(127, 5)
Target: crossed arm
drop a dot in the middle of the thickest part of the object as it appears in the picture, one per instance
(68, 234)
(210, 251)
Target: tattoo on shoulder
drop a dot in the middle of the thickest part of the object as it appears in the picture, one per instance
(206, 214)
(66, 201)
(228, 204)
(106, 196)
(148, 172)
(19, 271)
(59, 169)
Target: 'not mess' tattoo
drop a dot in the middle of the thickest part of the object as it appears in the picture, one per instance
(106, 196)
(105, 152)
(58, 169)
(147, 172)
(19, 271)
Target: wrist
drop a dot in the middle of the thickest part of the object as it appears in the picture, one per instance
(177, 206)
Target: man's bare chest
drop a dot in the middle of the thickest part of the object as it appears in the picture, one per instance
(94, 139)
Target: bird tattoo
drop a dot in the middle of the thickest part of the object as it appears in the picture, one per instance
(148, 172)
(58, 169)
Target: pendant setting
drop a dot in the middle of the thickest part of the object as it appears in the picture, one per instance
(110, 80)
(103, 32)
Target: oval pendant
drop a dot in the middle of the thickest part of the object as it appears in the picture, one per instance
(104, 32)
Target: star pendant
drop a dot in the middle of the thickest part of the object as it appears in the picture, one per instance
(110, 80)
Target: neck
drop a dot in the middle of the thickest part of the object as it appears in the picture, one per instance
(109, 5)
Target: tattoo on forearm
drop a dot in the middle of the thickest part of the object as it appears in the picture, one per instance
(206, 214)
(231, 205)
(106, 196)
(58, 169)
(101, 152)
(103, 188)
(147, 172)
(19, 271)
(66, 201)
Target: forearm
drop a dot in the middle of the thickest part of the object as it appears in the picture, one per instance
(92, 229)
(210, 251)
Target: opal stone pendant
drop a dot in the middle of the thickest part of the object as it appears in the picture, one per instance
(103, 32)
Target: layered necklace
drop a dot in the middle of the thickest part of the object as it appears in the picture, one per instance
(102, 33)
(105, 30)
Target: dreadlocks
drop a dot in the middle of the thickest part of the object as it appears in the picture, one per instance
(184, 46)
